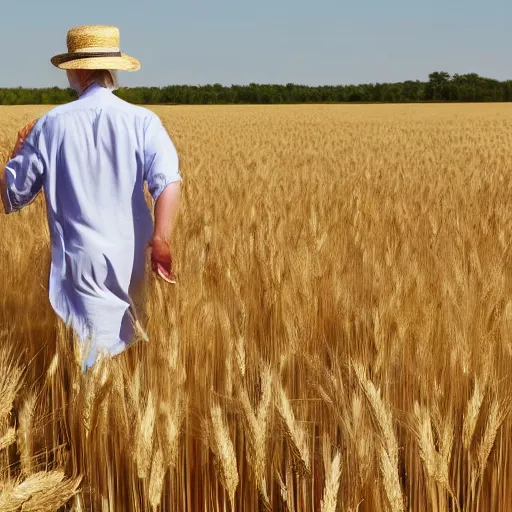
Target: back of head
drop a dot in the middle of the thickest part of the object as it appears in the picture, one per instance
(105, 77)
(82, 79)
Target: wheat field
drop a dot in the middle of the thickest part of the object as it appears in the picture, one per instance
(339, 339)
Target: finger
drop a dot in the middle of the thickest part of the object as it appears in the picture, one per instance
(161, 267)
(168, 277)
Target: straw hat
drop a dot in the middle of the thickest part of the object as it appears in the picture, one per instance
(94, 47)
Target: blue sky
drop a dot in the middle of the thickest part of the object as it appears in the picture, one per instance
(269, 41)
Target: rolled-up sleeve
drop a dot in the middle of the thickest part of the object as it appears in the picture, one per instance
(25, 173)
(161, 158)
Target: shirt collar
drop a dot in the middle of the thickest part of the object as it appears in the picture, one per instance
(93, 90)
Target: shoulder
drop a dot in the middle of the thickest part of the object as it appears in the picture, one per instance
(149, 120)
(55, 116)
(136, 110)
(46, 124)
(34, 130)
(62, 109)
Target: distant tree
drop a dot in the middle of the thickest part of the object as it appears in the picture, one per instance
(440, 87)
(437, 87)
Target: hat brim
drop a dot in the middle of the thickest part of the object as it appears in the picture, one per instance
(123, 63)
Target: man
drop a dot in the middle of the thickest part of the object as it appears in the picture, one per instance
(92, 158)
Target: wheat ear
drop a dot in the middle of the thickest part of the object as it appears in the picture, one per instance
(295, 435)
(225, 453)
(389, 450)
(26, 435)
(332, 466)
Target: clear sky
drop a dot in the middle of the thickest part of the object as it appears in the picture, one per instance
(269, 41)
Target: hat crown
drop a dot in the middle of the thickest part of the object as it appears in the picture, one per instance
(93, 36)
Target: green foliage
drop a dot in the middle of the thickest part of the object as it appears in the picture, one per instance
(440, 87)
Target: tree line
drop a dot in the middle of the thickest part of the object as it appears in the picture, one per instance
(440, 87)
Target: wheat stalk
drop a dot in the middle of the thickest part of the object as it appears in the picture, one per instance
(494, 420)
(97, 386)
(257, 423)
(10, 382)
(294, 434)
(389, 450)
(52, 368)
(332, 477)
(170, 426)
(225, 453)
(8, 439)
(436, 460)
(472, 413)
(26, 434)
(156, 479)
(144, 442)
(40, 492)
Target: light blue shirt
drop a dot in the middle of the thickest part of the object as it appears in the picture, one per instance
(92, 157)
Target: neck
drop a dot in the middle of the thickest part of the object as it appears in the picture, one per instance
(84, 88)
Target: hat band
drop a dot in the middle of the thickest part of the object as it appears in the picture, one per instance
(95, 49)
(89, 55)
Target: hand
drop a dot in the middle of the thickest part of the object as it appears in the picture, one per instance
(161, 259)
(22, 137)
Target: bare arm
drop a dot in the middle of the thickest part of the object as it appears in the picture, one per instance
(166, 211)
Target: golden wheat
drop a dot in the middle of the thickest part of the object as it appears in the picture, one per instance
(340, 336)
